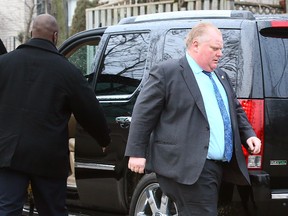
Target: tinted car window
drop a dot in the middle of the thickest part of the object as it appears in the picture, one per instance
(82, 57)
(275, 57)
(123, 64)
(231, 50)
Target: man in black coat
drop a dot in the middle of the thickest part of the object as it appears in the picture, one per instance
(39, 89)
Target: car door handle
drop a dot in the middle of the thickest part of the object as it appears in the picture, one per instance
(123, 121)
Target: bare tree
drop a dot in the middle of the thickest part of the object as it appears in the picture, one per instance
(30, 6)
(24, 35)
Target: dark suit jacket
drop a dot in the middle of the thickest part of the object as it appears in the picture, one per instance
(170, 108)
(39, 89)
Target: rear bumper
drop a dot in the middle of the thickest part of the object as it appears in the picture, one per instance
(260, 182)
(267, 201)
(279, 194)
(255, 200)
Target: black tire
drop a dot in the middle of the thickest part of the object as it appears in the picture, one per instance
(149, 200)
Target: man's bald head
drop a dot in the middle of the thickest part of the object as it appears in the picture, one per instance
(45, 26)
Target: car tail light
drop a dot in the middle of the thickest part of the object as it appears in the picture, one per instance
(255, 112)
(279, 23)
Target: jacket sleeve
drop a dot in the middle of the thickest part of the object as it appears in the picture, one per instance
(146, 112)
(87, 109)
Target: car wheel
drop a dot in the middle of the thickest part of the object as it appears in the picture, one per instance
(149, 200)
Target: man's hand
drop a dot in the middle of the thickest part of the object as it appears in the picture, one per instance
(254, 145)
(136, 164)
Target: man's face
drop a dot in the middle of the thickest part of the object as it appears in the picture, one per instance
(209, 50)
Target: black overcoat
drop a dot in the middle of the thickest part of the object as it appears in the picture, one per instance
(39, 89)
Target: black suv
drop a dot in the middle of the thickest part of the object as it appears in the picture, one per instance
(116, 61)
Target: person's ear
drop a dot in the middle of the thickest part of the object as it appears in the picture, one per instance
(195, 45)
(55, 38)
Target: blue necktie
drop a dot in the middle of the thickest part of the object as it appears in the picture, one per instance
(226, 120)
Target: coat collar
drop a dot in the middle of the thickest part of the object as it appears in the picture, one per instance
(40, 44)
(191, 84)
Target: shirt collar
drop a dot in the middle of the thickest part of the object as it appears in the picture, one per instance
(196, 69)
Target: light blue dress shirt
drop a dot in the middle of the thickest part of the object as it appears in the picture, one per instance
(216, 144)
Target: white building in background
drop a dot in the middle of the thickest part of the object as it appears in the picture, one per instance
(15, 14)
(13, 20)
(71, 8)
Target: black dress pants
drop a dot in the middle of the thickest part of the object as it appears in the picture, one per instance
(49, 193)
(200, 198)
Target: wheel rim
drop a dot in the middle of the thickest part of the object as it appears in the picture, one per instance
(153, 202)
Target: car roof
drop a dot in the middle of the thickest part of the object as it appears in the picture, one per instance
(191, 14)
(182, 19)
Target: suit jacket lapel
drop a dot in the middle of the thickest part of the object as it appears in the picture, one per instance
(223, 79)
(191, 84)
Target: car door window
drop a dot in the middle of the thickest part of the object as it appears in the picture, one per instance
(82, 56)
(274, 47)
(123, 64)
